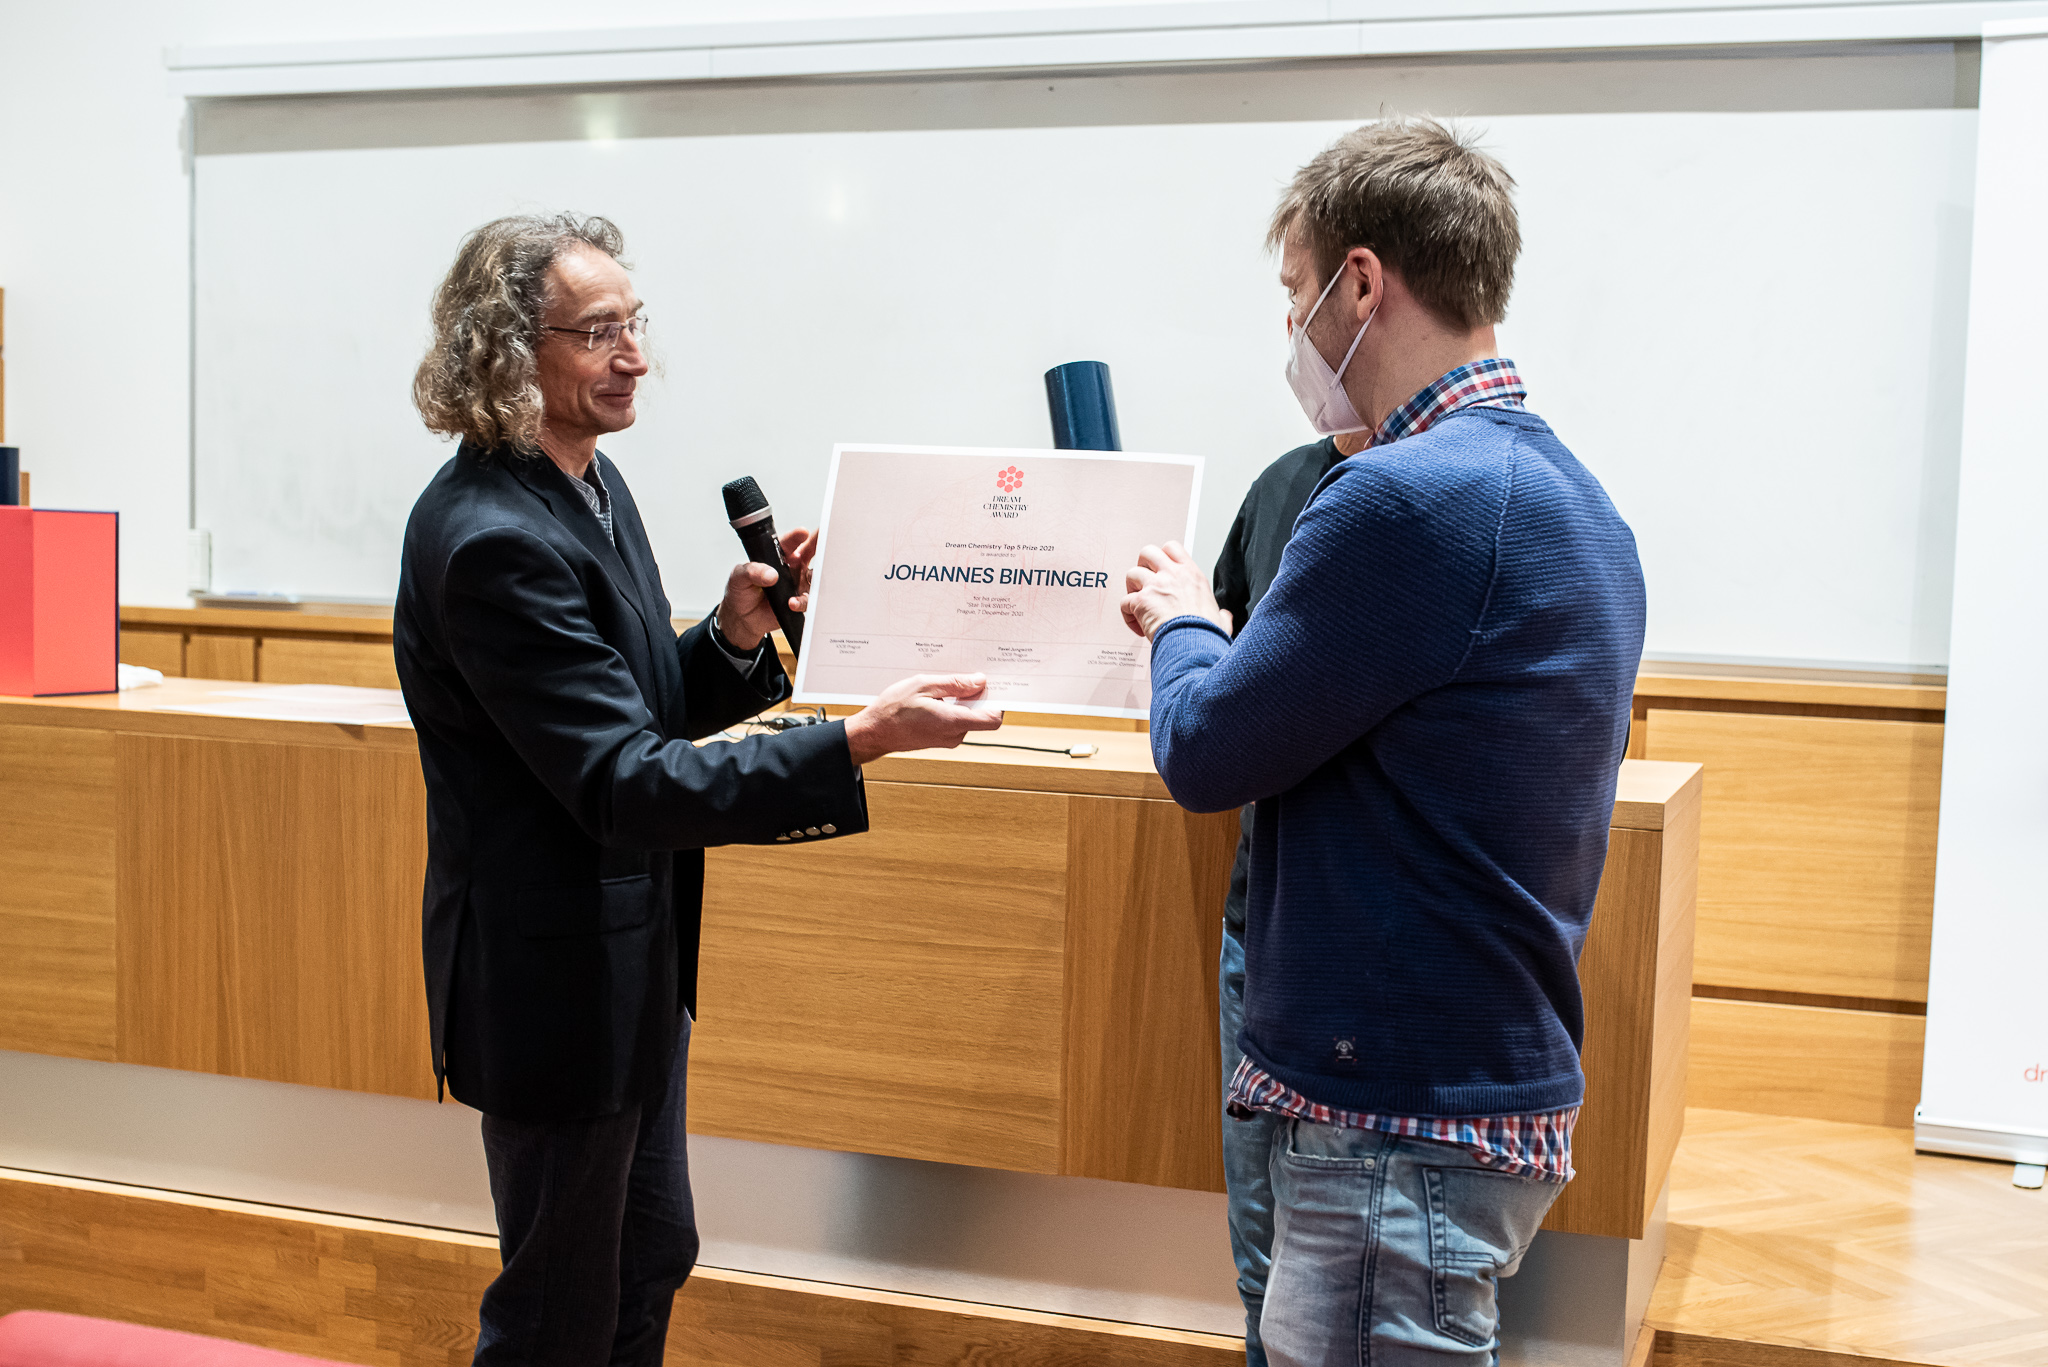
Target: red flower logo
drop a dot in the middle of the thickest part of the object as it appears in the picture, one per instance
(1010, 480)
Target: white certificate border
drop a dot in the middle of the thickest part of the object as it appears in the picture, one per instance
(802, 696)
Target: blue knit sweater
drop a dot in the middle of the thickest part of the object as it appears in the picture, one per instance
(1430, 706)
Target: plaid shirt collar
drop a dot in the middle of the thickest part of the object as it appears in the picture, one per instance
(1491, 383)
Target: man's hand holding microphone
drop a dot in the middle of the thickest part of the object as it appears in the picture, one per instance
(922, 712)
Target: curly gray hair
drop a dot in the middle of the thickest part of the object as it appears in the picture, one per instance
(479, 377)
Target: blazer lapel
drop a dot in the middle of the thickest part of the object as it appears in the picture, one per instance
(639, 560)
(549, 484)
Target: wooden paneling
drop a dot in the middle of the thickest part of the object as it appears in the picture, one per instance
(347, 1289)
(1817, 850)
(375, 1293)
(1146, 882)
(269, 913)
(738, 1319)
(221, 657)
(57, 891)
(1636, 972)
(293, 660)
(1671, 1007)
(360, 619)
(898, 993)
(1002, 978)
(1838, 1238)
(1807, 688)
(1699, 1350)
(1620, 960)
(1862, 1067)
(164, 650)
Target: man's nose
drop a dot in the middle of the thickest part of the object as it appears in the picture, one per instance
(629, 357)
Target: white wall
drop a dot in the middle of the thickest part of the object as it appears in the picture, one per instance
(94, 254)
(93, 217)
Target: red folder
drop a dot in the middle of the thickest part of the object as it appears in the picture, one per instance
(59, 619)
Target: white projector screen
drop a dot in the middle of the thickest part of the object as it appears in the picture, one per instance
(1740, 301)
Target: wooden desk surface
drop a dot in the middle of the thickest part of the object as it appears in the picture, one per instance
(365, 621)
(1664, 682)
(1120, 767)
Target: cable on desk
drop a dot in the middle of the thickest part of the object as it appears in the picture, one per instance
(1071, 752)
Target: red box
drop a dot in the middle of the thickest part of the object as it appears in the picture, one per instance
(60, 629)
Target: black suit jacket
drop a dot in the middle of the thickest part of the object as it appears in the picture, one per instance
(567, 810)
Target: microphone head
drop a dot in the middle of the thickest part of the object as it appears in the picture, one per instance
(744, 497)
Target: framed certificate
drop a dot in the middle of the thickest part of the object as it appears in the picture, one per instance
(961, 560)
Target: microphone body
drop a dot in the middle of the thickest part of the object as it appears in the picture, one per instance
(747, 508)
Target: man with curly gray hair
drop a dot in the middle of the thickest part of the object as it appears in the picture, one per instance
(568, 808)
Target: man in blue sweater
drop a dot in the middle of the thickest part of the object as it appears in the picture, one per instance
(1429, 707)
(1245, 569)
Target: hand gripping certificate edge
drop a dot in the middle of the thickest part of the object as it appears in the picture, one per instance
(819, 561)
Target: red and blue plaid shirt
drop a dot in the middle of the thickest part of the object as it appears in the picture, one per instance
(1522, 1145)
(1491, 383)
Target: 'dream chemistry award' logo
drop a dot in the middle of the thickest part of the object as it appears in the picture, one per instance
(1007, 502)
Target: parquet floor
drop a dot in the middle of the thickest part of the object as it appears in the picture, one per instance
(1821, 1235)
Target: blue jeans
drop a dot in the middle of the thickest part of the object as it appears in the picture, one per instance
(596, 1229)
(1388, 1250)
(1247, 1154)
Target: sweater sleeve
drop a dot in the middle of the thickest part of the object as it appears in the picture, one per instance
(1378, 594)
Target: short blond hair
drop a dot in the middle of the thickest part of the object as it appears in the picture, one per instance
(480, 377)
(1436, 210)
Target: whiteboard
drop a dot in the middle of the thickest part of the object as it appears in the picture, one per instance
(1746, 321)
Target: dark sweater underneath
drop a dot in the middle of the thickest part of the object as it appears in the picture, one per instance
(1244, 571)
(1430, 706)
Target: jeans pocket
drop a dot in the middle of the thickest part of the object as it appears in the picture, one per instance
(1480, 1225)
(1331, 1148)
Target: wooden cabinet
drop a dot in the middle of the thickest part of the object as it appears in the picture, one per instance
(261, 645)
(1817, 836)
(1816, 886)
(1817, 850)
(1016, 968)
(296, 660)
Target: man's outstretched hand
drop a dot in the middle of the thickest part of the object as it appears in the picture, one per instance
(922, 712)
(1167, 583)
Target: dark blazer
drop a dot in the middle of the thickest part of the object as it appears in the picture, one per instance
(567, 810)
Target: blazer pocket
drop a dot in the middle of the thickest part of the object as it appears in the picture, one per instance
(584, 909)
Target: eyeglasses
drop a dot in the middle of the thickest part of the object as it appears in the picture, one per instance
(606, 333)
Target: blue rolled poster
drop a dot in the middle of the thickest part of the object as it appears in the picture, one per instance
(1083, 407)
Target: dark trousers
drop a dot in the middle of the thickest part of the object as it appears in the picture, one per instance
(597, 1231)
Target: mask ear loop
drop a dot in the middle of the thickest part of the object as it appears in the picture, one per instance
(1339, 373)
(1359, 338)
(1342, 366)
(1317, 306)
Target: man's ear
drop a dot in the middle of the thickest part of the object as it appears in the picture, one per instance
(1365, 264)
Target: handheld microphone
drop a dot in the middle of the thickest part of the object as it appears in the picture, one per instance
(754, 520)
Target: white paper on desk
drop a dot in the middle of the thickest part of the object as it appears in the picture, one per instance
(1009, 563)
(335, 703)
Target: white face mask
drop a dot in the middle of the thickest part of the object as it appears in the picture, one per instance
(1320, 389)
